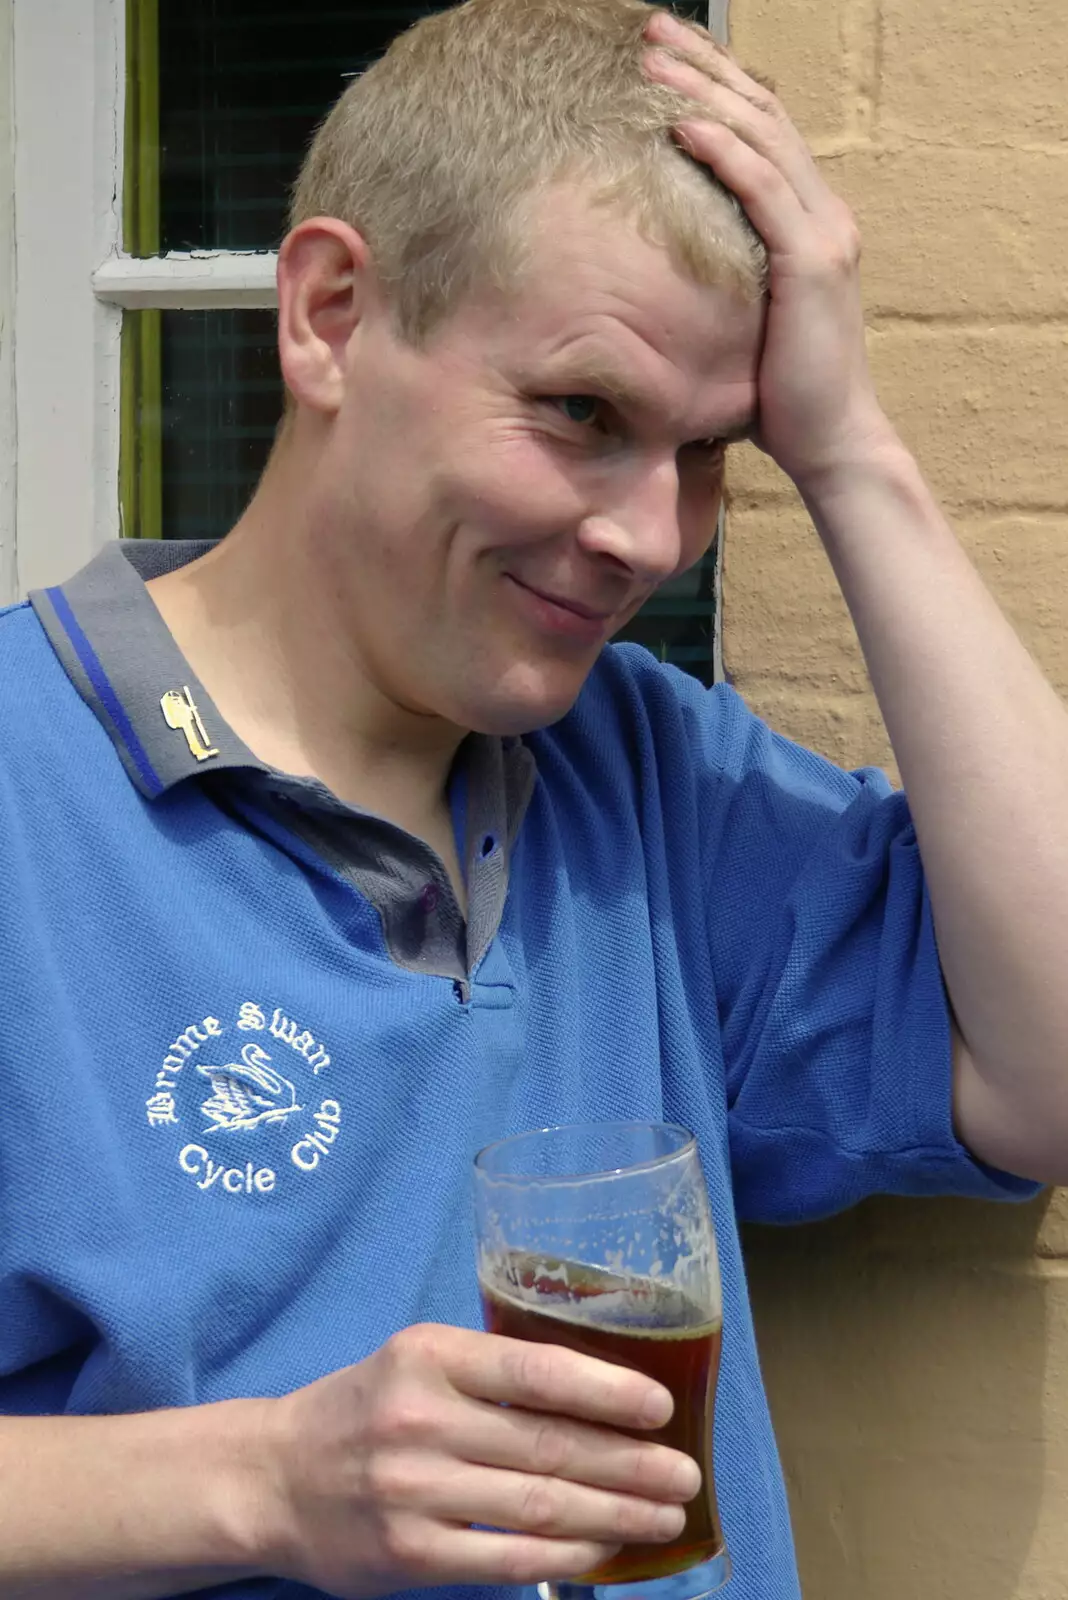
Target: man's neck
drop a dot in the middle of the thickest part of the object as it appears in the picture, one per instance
(254, 625)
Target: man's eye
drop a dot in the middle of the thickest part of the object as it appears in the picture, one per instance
(580, 408)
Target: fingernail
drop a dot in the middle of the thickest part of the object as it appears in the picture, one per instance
(683, 139)
(670, 25)
(689, 133)
(687, 1479)
(670, 1521)
(657, 1408)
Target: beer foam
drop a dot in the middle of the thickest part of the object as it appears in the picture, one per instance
(582, 1294)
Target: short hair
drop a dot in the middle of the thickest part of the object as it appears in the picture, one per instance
(436, 153)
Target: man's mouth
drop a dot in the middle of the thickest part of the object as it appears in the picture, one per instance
(590, 613)
(562, 614)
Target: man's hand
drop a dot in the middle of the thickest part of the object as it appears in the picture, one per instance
(385, 1474)
(818, 409)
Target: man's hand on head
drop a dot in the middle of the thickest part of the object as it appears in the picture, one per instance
(818, 411)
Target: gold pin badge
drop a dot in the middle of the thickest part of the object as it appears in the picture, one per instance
(180, 711)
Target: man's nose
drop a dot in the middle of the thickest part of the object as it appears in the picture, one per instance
(638, 525)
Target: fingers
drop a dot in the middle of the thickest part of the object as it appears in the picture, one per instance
(770, 201)
(444, 1435)
(703, 70)
(545, 1377)
(529, 1503)
(767, 133)
(429, 1553)
(494, 1436)
(694, 44)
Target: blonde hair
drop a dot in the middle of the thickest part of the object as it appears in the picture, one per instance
(435, 153)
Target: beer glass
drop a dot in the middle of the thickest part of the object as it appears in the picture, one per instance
(599, 1237)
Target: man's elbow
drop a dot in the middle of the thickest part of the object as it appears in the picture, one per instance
(1013, 1120)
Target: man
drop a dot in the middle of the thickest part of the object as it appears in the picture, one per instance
(346, 847)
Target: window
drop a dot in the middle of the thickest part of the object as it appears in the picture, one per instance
(145, 357)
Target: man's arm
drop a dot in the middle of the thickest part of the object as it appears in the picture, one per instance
(128, 1508)
(981, 738)
(982, 743)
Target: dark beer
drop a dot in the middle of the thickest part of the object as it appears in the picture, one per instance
(651, 1328)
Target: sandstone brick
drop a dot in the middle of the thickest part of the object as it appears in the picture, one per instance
(952, 1524)
(916, 1353)
(783, 613)
(751, 475)
(958, 71)
(801, 51)
(892, 1228)
(957, 1231)
(784, 617)
(1053, 1235)
(911, 1402)
(911, 1323)
(981, 408)
(846, 729)
(789, 645)
(789, 642)
(959, 233)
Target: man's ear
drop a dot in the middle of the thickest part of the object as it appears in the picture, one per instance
(324, 282)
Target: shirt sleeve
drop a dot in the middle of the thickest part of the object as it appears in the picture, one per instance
(834, 1016)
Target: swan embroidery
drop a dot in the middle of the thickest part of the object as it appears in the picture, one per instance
(248, 1092)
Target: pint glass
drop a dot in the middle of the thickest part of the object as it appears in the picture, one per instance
(599, 1237)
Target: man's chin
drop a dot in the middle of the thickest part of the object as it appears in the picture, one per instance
(517, 708)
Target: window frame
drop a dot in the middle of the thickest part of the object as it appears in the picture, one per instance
(8, 426)
(73, 281)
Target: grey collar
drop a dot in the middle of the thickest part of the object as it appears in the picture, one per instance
(125, 664)
(127, 667)
(165, 727)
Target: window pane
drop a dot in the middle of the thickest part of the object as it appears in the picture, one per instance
(677, 623)
(242, 86)
(203, 417)
(222, 99)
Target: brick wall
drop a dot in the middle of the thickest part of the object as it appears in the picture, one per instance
(917, 1354)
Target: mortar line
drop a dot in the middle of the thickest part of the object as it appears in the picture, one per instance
(878, 58)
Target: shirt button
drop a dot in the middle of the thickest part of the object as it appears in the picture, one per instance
(430, 897)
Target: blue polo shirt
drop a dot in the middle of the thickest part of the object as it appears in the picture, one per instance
(250, 1045)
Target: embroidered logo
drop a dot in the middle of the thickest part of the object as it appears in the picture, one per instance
(180, 712)
(250, 1099)
(246, 1094)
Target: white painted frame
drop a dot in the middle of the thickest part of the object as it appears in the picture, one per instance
(194, 281)
(8, 422)
(72, 282)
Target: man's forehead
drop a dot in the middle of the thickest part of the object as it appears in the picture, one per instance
(705, 387)
(637, 378)
(599, 297)
(598, 308)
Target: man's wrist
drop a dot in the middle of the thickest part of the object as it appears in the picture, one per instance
(138, 1505)
(242, 1515)
(220, 1478)
(881, 465)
